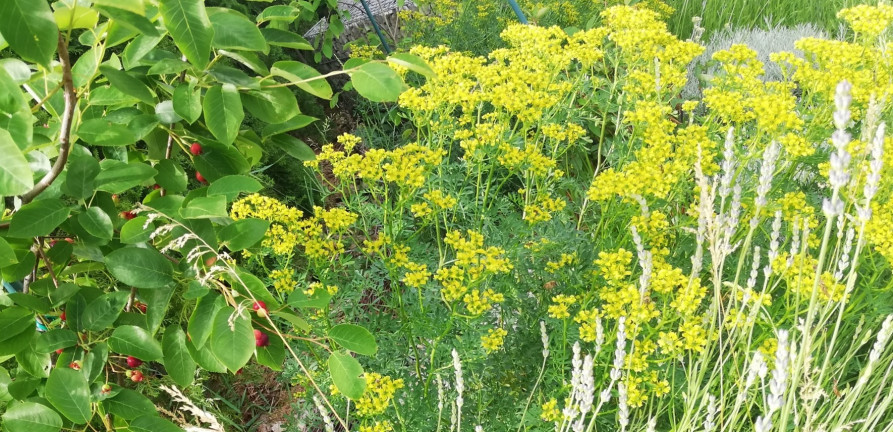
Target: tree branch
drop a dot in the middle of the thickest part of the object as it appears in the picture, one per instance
(65, 131)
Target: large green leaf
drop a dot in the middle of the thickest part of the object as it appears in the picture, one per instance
(31, 417)
(67, 390)
(171, 176)
(101, 132)
(30, 29)
(232, 339)
(377, 82)
(7, 255)
(243, 234)
(205, 208)
(284, 38)
(188, 23)
(188, 102)
(34, 363)
(14, 321)
(304, 77)
(271, 355)
(271, 105)
(80, 17)
(223, 112)
(118, 177)
(233, 30)
(130, 14)
(152, 423)
(347, 374)
(157, 302)
(202, 319)
(282, 13)
(140, 267)
(95, 361)
(177, 361)
(219, 160)
(292, 146)
(15, 174)
(82, 171)
(128, 84)
(38, 218)
(135, 341)
(296, 122)
(354, 338)
(55, 339)
(133, 232)
(101, 313)
(129, 404)
(97, 223)
(232, 186)
(413, 63)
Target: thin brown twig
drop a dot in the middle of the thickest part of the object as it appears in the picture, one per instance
(65, 132)
(46, 261)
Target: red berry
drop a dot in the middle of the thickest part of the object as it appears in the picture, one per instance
(261, 308)
(195, 149)
(106, 388)
(53, 243)
(128, 215)
(59, 351)
(200, 178)
(62, 317)
(141, 306)
(156, 187)
(261, 339)
(133, 362)
(76, 365)
(136, 376)
(69, 239)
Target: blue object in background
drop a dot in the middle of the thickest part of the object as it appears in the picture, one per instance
(15, 287)
(518, 13)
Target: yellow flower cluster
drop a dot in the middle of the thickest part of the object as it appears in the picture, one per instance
(492, 341)
(551, 413)
(437, 199)
(473, 264)
(560, 304)
(800, 278)
(379, 426)
(564, 260)
(542, 209)
(283, 281)
(880, 229)
(313, 287)
(380, 389)
(868, 22)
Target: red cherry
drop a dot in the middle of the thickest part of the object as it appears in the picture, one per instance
(261, 339)
(128, 215)
(195, 149)
(199, 177)
(133, 362)
(62, 317)
(136, 376)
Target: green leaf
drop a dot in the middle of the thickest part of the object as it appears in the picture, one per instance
(294, 123)
(138, 48)
(223, 112)
(188, 23)
(282, 13)
(347, 374)
(129, 404)
(97, 223)
(30, 29)
(284, 38)
(94, 362)
(377, 82)
(157, 302)
(38, 218)
(202, 319)
(7, 255)
(117, 177)
(188, 102)
(319, 299)
(271, 105)
(304, 77)
(30, 416)
(165, 112)
(101, 313)
(55, 339)
(177, 361)
(82, 170)
(130, 14)
(232, 186)
(133, 232)
(233, 30)
(101, 132)
(247, 58)
(168, 67)
(293, 147)
(254, 286)
(354, 338)
(152, 423)
(15, 174)
(271, 355)
(298, 322)
(69, 393)
(18, 70)
(79, 18)
(135, 341)
(14, 321)
(205, 208)
(234, 345)
(243, 234)
(35, 363)
(30, 301)
(219, 160)
(171, 176)
(128, 84)
(140, 267)
(413, 63)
